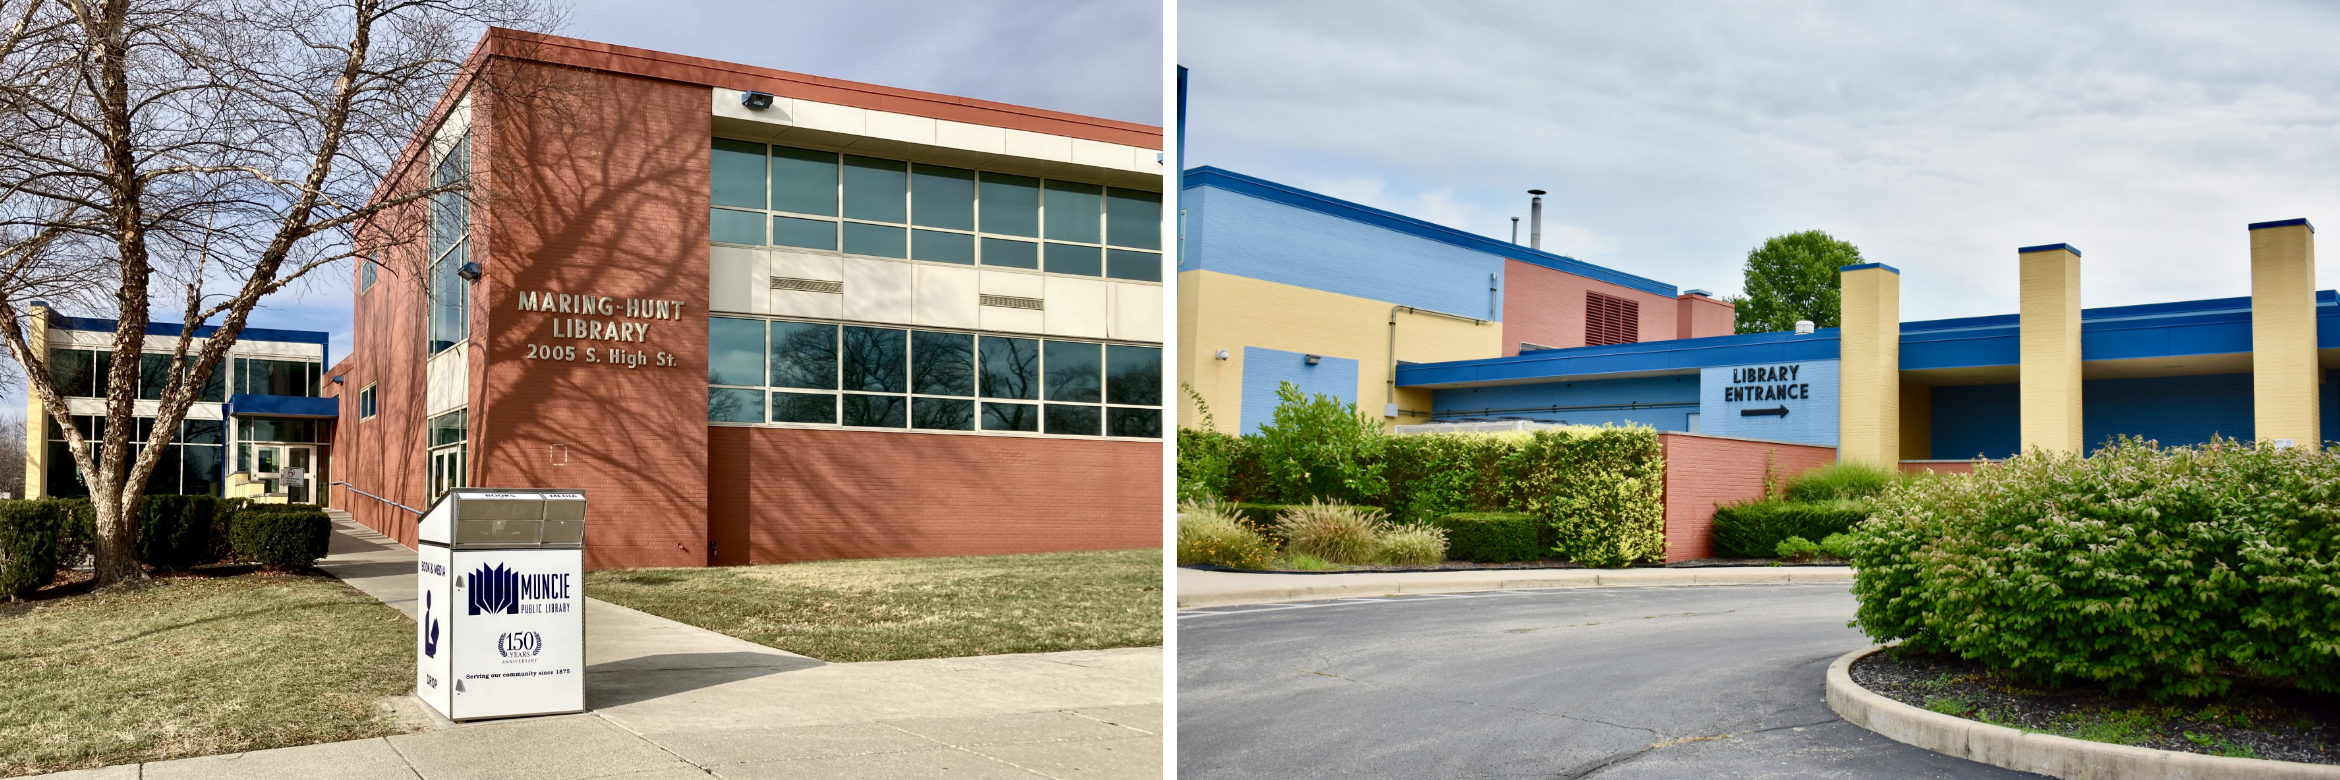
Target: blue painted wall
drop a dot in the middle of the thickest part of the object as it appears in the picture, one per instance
(2174, 410)
(1265, 369)
(1809, 420)
(1972, 419)
(1233, 233)
(1615, 398)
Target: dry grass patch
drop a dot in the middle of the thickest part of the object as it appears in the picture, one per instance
(893, 609)
(194, 666)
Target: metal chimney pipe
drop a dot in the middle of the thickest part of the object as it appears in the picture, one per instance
(1536, 220)
(1515, 230)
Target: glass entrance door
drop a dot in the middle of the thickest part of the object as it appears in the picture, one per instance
(275, 464)
(446, 470)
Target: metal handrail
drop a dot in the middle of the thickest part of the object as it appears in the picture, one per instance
(354, 489)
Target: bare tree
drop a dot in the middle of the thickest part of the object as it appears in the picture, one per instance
(196, 156)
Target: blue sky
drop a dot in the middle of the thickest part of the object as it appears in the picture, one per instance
(1096, 58)
(1674, 137)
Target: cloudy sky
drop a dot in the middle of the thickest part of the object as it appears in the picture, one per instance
(1938, 137)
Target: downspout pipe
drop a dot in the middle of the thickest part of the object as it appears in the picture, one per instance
(1391, 399)
(1536, 220)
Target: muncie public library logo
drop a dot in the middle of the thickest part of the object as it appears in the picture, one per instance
(602, 326)
(496, 590)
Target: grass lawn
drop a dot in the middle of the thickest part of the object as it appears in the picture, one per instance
(898, 608)
(192, 666)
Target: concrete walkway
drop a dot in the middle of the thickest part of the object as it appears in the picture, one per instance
(669, 700)
(1198, 588)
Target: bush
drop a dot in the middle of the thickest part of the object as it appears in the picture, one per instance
(1838, 546)
(177, 531)
(1437, 474)
(77, 532)
(1335, 532)
(1797, 548)
(280, 537)
(1413, 545)
(1492, 537)
(1209, 534)
(29, 531)
(1840, 482)
(1754, 529)
(1263, 518)
(1602, 489)
(1206, 461)
(1320, 449)
(2172, 571)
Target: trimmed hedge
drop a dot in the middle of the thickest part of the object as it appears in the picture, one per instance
(1434, 475)
(1754, 529)
(28, 547)
(1601, 488)
(2171, 571)
(1492, 537)
(178, 531)
(285, 536)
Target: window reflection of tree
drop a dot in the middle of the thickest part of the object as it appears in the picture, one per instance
(874, 360)
(735, 406)
(1011, 417)
(804, 355)
(1135, 377)
(1073, 371)
(1011, 369)
(942, 363)
(948, 414)
(1144, 423)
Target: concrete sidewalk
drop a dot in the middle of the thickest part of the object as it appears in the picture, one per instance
(669, 700)
(1198, 588)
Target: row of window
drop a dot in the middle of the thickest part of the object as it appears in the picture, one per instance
(781, 196)
(85, 373)
(786, 371)
(192, 464)
(450, 249)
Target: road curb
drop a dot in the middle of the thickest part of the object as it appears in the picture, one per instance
(2046, 754)
(1335, 586)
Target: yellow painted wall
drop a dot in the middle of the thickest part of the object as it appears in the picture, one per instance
(2283, 335)
(36, 415)
(1917, 421)
(1869, 410)
(2050, 350)
(1219, 311)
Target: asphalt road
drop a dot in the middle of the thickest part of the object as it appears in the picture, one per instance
(1612, 683)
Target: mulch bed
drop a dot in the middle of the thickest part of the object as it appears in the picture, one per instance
(2254, 721)
(1469, 566)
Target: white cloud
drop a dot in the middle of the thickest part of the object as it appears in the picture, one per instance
(1936, 137)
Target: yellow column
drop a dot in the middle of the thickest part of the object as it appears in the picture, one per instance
(1869, 402)
(36, 416)
(2050, 370)
(2283, 333)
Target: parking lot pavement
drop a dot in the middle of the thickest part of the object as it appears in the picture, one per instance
(1644, 682)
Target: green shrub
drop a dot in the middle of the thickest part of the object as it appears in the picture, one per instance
(1206, 461)
(177, 531)
(1413, 545)
(283, 538)
(1841, 481)
(1493, 537)
(1306, 562)
(1320, 449)
(1335, 532)
(1838, 546)
(77, 532)
(1797, 548)
(28, 546)
(1754, 529)
(2173, 571)
(1437, 474)
(1262, 518)
(1601, 488)
(1208, 534)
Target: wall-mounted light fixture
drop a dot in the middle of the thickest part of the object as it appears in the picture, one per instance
(756, 101)
(1315, 359)
(469, 271)
(1222, 355)
(340, 380)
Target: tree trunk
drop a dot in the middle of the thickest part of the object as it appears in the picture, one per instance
(115, 555)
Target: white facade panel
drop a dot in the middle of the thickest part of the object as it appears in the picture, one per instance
(1036, 146)
(973, 138)
(947, 297)
(1137, 312)
(877, 290)
(1076, 307)
(732, 284)
(445, 378)
(796, 303)
(900, 127)
(1013, 285)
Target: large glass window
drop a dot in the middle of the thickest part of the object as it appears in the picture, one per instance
(807, 199)
(193, 462)
(449, 437)
(258, 376)
(870, 377)
(450, 249)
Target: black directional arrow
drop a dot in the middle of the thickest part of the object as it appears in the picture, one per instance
(1780, 412)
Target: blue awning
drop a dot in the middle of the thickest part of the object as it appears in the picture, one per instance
(282, 406)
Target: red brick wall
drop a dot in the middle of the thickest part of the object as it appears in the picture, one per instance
(1705, 471)
(1697, 317)
(874, 494)
(1544, 306)
(598, 187)
(383, 455)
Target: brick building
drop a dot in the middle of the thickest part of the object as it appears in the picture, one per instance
(760, 316)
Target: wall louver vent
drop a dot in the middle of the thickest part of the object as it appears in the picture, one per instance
(1609, 319)
(808, 285)
(1012, 302)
